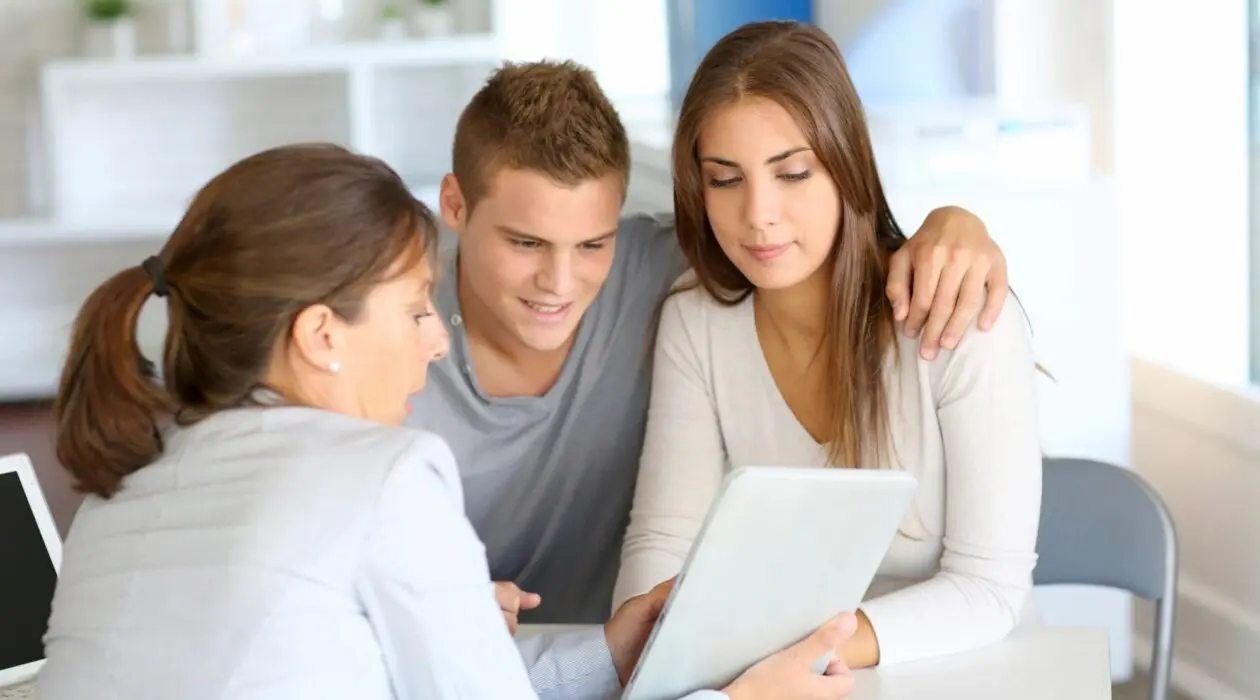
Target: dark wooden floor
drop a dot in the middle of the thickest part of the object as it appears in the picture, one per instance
(28, 428)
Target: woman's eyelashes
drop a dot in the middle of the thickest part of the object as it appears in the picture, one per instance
(735, 180)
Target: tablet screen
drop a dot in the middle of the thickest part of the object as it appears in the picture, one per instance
(27, 577)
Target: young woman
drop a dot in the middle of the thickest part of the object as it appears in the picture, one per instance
(783, 350)
(257, 525)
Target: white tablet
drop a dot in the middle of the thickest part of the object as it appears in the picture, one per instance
(30, 559)
(782, 550)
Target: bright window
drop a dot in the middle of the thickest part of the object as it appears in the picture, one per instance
(1253, 179)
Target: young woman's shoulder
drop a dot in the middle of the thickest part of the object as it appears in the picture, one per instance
(692, 301)
(691, 311)
(1005, 349)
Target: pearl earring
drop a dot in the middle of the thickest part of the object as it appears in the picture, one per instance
(334, 366)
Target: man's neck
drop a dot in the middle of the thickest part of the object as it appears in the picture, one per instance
(503, 365)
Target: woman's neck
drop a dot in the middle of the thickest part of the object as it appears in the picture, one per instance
(798, 315)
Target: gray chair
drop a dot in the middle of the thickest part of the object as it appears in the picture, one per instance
(1103, 525)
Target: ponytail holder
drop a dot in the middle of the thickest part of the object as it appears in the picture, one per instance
(153, 266)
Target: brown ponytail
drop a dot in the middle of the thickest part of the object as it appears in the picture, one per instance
(109, 404)
(272, 235)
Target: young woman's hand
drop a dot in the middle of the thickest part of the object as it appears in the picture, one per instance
(628, 630)
(791, 675)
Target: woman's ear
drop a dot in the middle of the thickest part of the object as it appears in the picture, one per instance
(318, 338)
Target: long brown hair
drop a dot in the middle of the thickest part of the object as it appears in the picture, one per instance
(273, 234)
(799, 68)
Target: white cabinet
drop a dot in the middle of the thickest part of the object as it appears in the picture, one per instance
(126, 144)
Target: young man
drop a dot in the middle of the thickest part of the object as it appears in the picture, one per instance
(543, 397)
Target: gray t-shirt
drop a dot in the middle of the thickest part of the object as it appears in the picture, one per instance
(548, 480)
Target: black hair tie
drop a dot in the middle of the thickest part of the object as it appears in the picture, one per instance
(153, 266)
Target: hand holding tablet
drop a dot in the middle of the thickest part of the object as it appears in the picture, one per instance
(784, 675)
(767, 569)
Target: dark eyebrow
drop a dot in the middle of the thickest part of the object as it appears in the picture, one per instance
(508, 230)
(769, 161)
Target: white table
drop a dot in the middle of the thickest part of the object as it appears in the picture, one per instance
(1033, 663)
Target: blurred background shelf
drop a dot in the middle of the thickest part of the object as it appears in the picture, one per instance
(99, 156)
(336, 58)
(142, 135)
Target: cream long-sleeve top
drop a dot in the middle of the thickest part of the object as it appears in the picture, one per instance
(958, 574)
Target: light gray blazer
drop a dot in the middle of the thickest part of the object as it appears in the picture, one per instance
(289, 552)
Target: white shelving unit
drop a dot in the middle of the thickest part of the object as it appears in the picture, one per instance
(125, 144)
(142, 136)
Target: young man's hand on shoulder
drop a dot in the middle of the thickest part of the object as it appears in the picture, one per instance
(937, 281)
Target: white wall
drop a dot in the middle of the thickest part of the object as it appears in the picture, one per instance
(1021, 52)
(625, 44)
(914, 50)
(1167, 87)
(30, 31)
(1058, 50)
(1199, 446)
(1181, 164)
(1181, 149)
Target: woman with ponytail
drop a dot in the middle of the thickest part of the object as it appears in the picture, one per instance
(257, 525)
